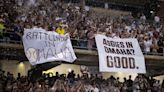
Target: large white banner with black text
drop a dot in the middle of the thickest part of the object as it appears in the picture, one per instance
(119, 55)
(42, 46)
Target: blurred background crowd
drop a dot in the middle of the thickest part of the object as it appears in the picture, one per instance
(81, 22)
(76, 83)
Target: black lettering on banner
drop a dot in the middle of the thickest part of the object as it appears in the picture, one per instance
(49, 53)
(123, 51)
(132, 63)
(50, 38)
(133, 51)
(106, 49)
(120, 62)
(112, 50)
(49, 43)
(55, 53)
(109, 61)
(46, 43)
(28, 36)
(35, 35)
(108, 42)
(118, 51)
(113, 43)
(117, 62)
(124, 62)
(41, 53)
(46, 36)
(104, 41)
(40, 35)
(129, 45)
(122, 45)
(129, 52)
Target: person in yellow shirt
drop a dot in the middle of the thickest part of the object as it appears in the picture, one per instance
(60, 29)
(2, 27)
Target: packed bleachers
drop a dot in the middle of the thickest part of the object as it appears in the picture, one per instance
(81, 23)
(77, 83)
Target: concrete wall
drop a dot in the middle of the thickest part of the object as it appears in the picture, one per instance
(15, 67)
(64, 69)
(161, 78)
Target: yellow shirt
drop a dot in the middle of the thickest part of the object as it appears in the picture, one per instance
(1, 29)
(2, 26)
(60, 30)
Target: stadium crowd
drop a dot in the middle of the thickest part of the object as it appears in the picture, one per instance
(77, 83)
(82, 23)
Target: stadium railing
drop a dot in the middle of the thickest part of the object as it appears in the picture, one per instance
(76, 43)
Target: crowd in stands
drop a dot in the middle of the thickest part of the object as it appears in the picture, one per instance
(77, 83)
(79, 21)
(82, 23)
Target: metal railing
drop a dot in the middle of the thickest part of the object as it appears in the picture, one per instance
(76, 43)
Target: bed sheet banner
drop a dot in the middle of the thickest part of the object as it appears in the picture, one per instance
(42, 46)
(119, 55)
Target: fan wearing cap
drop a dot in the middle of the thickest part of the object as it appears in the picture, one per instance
(60, 29)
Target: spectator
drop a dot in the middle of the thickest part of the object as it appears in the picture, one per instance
(156, 86)
(147, 45)
(160, 44)
(71, 76)
(75, 20)
(143, 18)
(162, 85)
(2, 27)
(58, 87)
(130, 84)
(94, 88)
(95, 84)
(157, 20)
(60, 29)
(91, 38)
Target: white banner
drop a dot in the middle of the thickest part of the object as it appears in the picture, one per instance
(42, 46)
(119, 55)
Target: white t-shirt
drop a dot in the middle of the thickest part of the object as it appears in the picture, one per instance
(147, 45)
(136, 87)
(143, 17)
(19, 2)
(95, 89)
(128, 28)
(156, 19)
